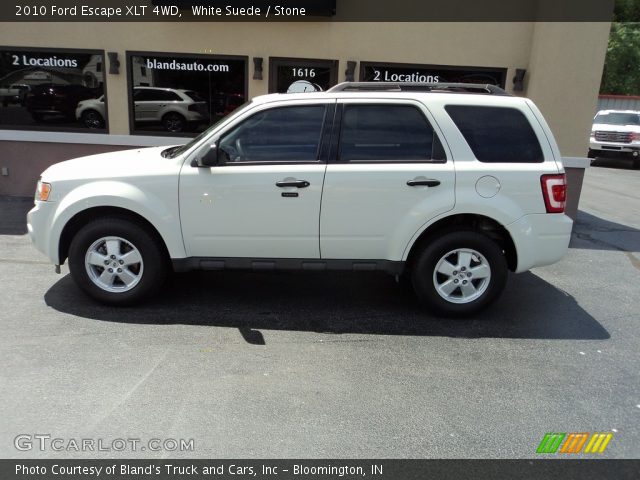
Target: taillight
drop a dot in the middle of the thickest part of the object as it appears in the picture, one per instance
(554, 192)
(193, 107)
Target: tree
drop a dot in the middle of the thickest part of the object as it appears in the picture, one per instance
(622, 64)
(621, 73)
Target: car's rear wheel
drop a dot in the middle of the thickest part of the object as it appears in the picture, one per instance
(116, 261)
(92, 119)
(174, 122)
(459, 273)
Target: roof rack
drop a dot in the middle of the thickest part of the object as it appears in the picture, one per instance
(418, 87)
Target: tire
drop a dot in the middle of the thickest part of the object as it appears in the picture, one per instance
(458, 254)
(92, 119)
(174, 122)
(138, 270)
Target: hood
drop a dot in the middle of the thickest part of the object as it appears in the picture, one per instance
(607, 127)
(112, 165)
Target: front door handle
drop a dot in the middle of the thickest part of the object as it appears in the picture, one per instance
(292, 183)
(427, 182)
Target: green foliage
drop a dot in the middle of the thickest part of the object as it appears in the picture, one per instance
(627, 11)
(622, 64)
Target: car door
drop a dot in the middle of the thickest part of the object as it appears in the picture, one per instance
(262, 200)
(148, 102)
(388, 175)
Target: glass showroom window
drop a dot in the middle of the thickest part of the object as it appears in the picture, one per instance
(183, 94)
(400, 72)
(297, 75)
(52, 89)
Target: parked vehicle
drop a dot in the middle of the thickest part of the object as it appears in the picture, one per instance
(174, 109)
(54, 100)
(92, 113)
(616, 134)
(14, 93)
(449, 186)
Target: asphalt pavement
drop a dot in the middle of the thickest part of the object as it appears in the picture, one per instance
(333, 365)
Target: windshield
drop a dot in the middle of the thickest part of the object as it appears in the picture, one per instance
(173, 152)
(618, 118)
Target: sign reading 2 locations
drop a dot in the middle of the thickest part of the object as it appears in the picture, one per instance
(52, 89)
(298, 75)
(396, 72)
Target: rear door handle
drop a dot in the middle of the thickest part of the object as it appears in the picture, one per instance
(292, 183)
(427, 182)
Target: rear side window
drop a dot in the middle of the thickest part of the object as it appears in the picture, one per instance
(497, 134)
(387, 133)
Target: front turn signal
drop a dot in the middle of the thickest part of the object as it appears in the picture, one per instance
(43, 191)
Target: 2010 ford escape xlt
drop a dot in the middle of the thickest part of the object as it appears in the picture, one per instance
(448, 185)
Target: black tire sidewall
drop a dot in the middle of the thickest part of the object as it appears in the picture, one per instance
(155, 269)
(177, 116)
(424, 266)
(85, 119)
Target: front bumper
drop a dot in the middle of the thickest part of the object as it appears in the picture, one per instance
(540, 239)
(613, 150)
(39, 221)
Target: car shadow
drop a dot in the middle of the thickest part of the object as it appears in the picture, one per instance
(595, 233)
(618, 163)
(13, 214)
(336, 303)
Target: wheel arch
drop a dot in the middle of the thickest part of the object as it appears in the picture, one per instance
(75, 223)
(481, 223)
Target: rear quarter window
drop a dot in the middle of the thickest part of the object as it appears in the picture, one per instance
(497, 134)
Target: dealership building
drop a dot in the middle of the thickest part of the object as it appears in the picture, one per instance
(72, 88)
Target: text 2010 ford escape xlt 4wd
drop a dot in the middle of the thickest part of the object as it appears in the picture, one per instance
(449, 185)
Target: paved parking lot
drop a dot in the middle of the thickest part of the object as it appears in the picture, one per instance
(331, 365)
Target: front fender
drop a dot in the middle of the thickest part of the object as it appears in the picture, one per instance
(161, 212)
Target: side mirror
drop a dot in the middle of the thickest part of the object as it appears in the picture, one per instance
(209, 158)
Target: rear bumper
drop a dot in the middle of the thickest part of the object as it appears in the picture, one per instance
(540, 239)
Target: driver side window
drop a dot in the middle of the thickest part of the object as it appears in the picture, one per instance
(283, 134)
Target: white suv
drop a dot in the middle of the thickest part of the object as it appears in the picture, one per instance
(174, 109)
(447, 185)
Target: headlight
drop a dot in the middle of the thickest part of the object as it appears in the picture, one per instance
(43, 191)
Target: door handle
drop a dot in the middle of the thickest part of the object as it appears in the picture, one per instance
(427, 182)
(292, 183)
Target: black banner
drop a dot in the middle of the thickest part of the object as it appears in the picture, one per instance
(307, 10)
(320, 469)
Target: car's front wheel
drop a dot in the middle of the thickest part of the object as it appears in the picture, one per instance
(116, 261)
(92, 119)
(459, 273)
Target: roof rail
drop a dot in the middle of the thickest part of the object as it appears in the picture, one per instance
(418, 87)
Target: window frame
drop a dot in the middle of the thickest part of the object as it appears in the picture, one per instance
(173, 55)
(325, 134)
(53, 51)
(336, 137)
